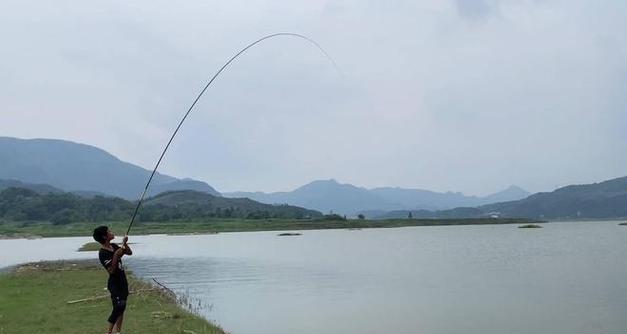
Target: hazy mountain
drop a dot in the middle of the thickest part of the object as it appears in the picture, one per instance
(324, 196)
(38, 188)
(182, 184)
(82, 168)
(89, 171)
(194, 201)
(513, 193)
(329, 195)
(606, 199)
(46, 189)
(423, 199)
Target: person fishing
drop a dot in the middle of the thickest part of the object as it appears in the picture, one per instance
(110, 256)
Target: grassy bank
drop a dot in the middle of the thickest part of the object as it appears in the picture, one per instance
(33, 299)
(46, 229)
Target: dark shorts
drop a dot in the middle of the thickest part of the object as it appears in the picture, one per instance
(119, 306)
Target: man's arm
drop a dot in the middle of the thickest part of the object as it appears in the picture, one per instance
(127, 249)
(113, 266)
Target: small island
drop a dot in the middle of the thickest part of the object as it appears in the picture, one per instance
(92, 247)
(530, 226)
(623, 224)
(288, 234)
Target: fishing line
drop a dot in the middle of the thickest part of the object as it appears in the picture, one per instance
(141, 198)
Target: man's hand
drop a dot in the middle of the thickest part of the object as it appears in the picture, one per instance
(127, 249)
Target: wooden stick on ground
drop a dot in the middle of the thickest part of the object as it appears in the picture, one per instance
(106, 296)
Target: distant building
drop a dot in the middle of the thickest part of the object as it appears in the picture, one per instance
(494, 214)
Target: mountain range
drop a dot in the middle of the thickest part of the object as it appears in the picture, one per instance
(607, 199)
(89, 171)
(603, 200)
(49, 166)
(332, 196)
(82, 169)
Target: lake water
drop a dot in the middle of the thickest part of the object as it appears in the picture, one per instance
(563, 278)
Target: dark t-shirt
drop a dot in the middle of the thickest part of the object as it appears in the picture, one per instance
(117, 283)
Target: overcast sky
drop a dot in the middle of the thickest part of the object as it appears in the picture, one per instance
(467, 96)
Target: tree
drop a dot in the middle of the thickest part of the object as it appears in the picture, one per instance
(62, 217)
(410, 216)
(361, 216)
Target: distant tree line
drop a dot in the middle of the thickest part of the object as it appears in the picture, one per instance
(18, 204)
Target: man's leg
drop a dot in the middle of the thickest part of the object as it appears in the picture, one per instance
(118, 323)
(111, 320)
(110, 329)
(119, 305)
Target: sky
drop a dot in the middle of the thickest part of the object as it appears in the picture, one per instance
(469, 96)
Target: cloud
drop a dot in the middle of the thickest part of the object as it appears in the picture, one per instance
(476, 9)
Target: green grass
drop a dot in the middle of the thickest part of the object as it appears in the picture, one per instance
(46, 229)
(33, 299)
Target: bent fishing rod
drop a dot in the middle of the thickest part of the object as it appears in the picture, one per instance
(178, 127)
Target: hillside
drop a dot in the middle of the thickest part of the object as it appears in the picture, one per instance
(606, 199)
(602, 200)
(19, 204)
(207, 205)
(74, 167)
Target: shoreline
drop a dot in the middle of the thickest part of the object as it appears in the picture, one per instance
(77, 303)
(37, 230)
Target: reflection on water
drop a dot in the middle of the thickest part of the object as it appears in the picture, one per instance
(563, 278)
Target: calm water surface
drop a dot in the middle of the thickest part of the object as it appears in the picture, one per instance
(563, 278)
